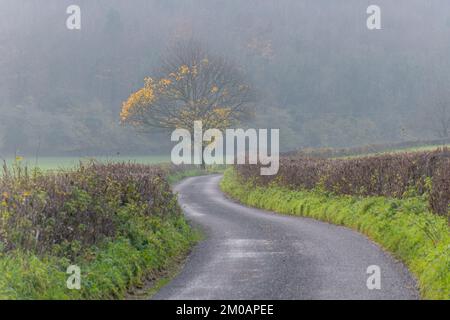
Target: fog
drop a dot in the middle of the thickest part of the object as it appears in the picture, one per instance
(323, 78)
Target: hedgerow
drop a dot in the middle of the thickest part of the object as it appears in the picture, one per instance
(117, 222)
(392, 175)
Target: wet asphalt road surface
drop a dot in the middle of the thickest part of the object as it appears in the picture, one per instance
(254, 254)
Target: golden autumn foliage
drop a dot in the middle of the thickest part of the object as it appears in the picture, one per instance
(140, 98)
(192, 85)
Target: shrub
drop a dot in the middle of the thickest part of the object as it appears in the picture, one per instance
(392, 175)
(76, 209)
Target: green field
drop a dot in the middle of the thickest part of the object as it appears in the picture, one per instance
(55, 163)
(399, 150)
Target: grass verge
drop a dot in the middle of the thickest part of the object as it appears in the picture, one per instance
(146, 245)
(404, 227)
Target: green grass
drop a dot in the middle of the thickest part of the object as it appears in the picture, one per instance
(404, 227)
(148, 245)
(57, 163)
(399, 150)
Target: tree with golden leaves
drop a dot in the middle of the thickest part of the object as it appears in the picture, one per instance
(191, 85)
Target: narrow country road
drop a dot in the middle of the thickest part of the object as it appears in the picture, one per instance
(254, 254)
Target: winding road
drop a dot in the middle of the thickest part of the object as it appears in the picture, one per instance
(253, 254)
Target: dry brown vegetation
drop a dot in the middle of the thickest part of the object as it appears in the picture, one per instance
(392, 175)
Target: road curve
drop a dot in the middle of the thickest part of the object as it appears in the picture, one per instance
(254, 254)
